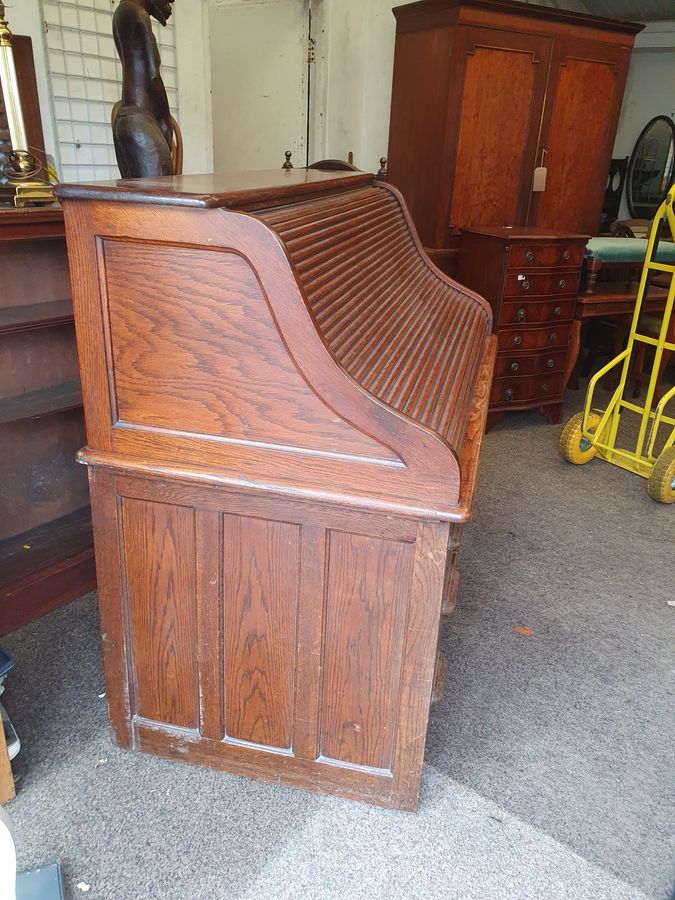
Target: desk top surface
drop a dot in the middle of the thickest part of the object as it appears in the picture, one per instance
(233, 190)
(524, 233)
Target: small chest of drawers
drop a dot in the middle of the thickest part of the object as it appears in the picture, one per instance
(530, 278)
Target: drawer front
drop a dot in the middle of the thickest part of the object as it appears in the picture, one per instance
(536, 255)
(526, 312)
(551, 336)
(522, 390)
(527, 284)
(514, 364)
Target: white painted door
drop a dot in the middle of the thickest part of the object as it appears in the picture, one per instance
(259, 82)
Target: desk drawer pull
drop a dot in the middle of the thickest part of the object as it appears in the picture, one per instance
(508, 394)
(553, 337)
(517, 339)
(557, 311)
(514, 367)
(521, 314)
(566, 255)
(562, 283)
(529, 256)
(550, 363)
(525, 285)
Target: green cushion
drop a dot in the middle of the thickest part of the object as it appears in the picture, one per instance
(627, 250)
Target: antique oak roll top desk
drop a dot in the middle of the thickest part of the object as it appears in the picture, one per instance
(284, 403)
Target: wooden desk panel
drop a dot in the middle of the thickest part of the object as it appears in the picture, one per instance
(284, 415)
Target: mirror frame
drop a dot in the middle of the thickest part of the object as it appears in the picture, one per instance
(633, 158)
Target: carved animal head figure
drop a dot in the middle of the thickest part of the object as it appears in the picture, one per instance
(160, 9)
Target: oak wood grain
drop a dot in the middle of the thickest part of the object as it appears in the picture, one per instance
(209, 591)
(261, 569)
(159, 554)
(366, 593)
(285, 402)
(222, 372)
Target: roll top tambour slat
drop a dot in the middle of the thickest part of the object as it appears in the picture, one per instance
(394, 326)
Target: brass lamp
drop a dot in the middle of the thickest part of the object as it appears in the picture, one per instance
(25, 186)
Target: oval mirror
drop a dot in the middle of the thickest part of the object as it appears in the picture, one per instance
(651, 168)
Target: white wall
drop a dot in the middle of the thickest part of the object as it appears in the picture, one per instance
(355, 58)
(194, 82)
(650, 88)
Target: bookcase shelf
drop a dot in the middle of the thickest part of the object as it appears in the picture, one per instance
(46, 547)
(47, 401)
(35, 315)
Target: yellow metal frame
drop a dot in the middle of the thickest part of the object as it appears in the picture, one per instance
(603, 438)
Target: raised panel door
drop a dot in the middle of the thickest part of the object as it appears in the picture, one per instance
(368, 584)
(504, 83)
(261, 574)
(579, 127)
(159, 563)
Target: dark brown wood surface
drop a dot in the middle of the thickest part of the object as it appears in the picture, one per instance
(481, 88)
(232, 190)
(285, 406)
(45, 534)
(531, 280)
(578, 128)
(261, 582)
(159, 556)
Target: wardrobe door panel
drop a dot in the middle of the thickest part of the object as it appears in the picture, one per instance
(499, 115)
(580, 122)
(422, 67)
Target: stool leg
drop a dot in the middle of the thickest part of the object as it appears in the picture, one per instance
(662, 368)
(593, 267)
(638, 369)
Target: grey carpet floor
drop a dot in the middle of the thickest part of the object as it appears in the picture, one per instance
(549, 763)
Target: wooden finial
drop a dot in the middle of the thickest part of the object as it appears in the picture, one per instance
(382, 172)
(288, 164)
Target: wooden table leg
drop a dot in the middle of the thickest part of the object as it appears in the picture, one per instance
(7, 791)
(573, 353)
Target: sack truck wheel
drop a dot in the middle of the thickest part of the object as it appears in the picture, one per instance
(574, 447)
(661, 484)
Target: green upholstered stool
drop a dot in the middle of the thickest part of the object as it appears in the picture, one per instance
(627, 250)
(620, 252)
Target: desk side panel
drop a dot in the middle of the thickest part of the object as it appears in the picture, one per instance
(197, 349)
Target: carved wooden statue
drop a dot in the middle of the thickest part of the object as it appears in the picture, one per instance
(143, 128)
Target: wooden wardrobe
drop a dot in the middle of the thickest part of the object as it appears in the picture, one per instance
(483, 92)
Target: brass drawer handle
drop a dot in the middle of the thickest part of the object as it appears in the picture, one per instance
(521, 314)
(525, 285)
(562, 283)
(508, 394)
(557, 311)
(553, 337)
(566, 255)
(517, 339)
(514, 367)
(545, 388)
(529, 256)
(550, 363)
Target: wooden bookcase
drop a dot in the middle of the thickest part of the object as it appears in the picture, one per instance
(46, 553)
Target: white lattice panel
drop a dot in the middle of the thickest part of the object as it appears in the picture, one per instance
(86, 78)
